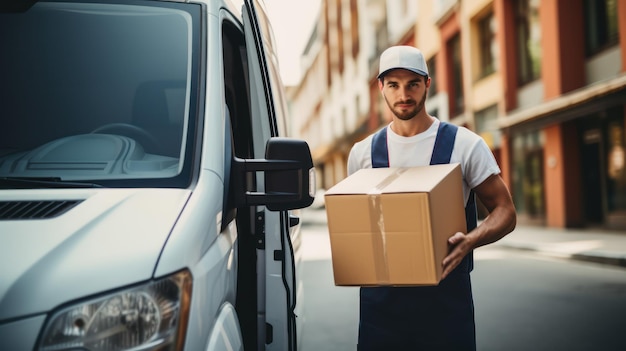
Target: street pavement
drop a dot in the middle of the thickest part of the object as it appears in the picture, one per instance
(592, 245)
(332, 312)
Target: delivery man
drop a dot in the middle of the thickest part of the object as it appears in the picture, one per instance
(432, 317)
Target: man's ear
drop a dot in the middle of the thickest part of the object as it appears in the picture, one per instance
(428, 82)
(380, 84)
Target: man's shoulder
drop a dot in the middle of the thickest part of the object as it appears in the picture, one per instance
(360, 155)
(361, 149)
(363, 143)
(467, 135)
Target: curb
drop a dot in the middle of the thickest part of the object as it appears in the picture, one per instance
(601, 257)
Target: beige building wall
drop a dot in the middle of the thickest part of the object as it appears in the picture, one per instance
(426, 31)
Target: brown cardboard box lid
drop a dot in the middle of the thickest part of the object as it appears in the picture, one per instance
(393, 180)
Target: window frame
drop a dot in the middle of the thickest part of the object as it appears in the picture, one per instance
(601, 25)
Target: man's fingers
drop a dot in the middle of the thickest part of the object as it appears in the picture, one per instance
(456, 238)
(455, 255)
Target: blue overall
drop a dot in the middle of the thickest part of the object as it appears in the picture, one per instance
(421, 318)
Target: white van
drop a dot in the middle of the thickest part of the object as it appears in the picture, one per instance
(146, 180)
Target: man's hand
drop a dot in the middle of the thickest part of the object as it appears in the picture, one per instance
(459, 245)
(495, 196)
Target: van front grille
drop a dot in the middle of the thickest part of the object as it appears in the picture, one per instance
(12, 210)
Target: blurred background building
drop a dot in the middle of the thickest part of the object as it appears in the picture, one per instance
(543, 81)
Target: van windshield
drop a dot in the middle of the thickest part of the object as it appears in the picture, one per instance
(102, 93)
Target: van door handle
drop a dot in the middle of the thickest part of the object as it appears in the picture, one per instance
(293, 221)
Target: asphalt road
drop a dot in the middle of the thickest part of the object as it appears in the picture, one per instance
(523, 301)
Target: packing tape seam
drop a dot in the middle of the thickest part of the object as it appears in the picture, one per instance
(377, 224)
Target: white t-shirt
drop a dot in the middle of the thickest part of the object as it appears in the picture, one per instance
(470, 150)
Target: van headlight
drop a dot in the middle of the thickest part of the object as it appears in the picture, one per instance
(149, 317)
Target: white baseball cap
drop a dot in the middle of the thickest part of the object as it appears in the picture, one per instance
(404, 57)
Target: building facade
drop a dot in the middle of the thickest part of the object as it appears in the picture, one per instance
(543, 81)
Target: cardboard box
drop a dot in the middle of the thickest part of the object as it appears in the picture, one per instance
(390, 226)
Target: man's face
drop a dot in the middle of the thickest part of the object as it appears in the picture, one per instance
(405, 92)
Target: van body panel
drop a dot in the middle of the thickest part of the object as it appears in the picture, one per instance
(210, 255)
(21, 334)
(226, 335)
(197, 227)
(111, 239)
(214, 113)
(163, 220)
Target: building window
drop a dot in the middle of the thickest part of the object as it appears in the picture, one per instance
(616, 165)
(488, 46)
(432, 72)
(528, 175)
(528, 40)
(486, 121)
(354, 28)
(328, 40)
(601, 27)
(455, 65)
(340, 33)
(603, 167)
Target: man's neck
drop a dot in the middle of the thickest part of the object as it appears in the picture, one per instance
(412, 127)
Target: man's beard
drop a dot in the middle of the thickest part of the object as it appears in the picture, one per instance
(408, 114)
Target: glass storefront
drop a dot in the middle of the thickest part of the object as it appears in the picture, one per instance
(615, 172)
(603, 172)
(528, 175)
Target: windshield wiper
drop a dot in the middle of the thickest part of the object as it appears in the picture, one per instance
(42, 182)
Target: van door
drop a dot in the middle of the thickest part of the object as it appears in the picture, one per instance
(276, 266)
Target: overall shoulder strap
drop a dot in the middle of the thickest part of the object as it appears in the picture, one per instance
(380, 153)
(444, 143)
(442, 152)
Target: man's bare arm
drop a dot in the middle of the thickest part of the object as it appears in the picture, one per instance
(495, 196)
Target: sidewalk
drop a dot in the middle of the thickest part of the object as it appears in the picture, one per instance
(606, 247)
(600, 246)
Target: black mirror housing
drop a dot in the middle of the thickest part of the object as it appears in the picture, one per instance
(289, 176)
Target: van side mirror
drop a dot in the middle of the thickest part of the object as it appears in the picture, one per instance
(289, 176)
